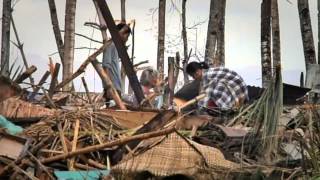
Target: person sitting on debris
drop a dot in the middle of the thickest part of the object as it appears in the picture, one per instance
(224, 88)
(150, 83)
(111, 61)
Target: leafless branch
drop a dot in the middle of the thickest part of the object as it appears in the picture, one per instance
(86, 37)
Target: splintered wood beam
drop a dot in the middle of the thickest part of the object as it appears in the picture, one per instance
(83, 66)
(109, 86)
(125, 60)
(54, 78)
(25, 74)
(86, 89)
(42, 81)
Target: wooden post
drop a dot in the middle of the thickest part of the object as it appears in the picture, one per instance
(27, 73)
(56, 28)
(170, 80)
(306, 32)
(54, 79)
(86, 89)
(109, 86)
(132, 50)
(161, 37)
(41, 82)
(275, 35)
(176, 68)
(69, 33)
(301, 80)
(266, 70)
(5, 37)
(185, 42)
(126, 63)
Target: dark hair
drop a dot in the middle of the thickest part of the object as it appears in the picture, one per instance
(194, 66)
(122, 25)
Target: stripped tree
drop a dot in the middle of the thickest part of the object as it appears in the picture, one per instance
(211, 33)
(5, 37)
(69, 41)
(266, 42)
(220, 52)
(161, 37)
(214, 53)
(275, 34)
(318, 31)
(56, 28)
(123, 20)
(185, 42)
(306, 32)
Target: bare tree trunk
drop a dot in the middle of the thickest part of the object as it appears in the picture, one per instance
(220, 57)
(123, 20)
(56, 28)
(266, 70)
(275, 34)
(212, 33)
(306, 32)
(20, 47)
(5, 37)
(69, 41)
(318, 31)
(161, 37)
(185, 42)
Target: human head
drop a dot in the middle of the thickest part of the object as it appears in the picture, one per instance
(124, 31)
(194, 69)
(149, 78)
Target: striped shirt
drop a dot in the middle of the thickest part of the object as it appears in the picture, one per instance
(224, 87)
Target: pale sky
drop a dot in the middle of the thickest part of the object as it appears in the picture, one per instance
(242, 34)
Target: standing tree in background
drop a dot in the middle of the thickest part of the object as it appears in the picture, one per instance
(185, 42)
(56, 28)
(211, 33)
(69, 34)
(266, 42)
(123, 20)
(5, 37)
(214, 53)
(161, 37)
(220, 52)
(275, 34)
(318, 31)
(306, 32)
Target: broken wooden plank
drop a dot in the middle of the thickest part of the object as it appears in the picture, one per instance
(27, 73)
(74, 142)
(54, 79)
(109, 144)
(41, 82)
(127, 64)
(109, 86)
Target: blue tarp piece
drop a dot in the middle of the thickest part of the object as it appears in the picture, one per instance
(81, 175)
(9, 126)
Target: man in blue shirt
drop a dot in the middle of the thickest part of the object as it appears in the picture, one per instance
(111, 61)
